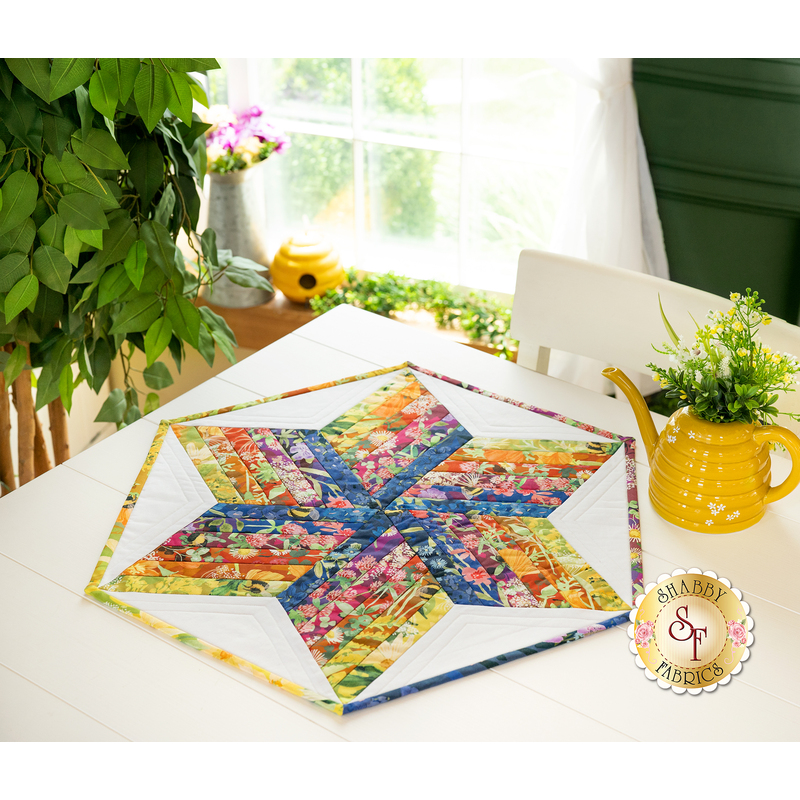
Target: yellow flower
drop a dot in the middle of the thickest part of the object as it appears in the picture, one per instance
(766, 349)
(737, 326)
(735, 296)
(655, 377)
(741, 352)
(766, 320)
(731, 312)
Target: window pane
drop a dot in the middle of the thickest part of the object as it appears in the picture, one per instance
(411, 199)
(308, 89)
(218, 84)
(313, 179)
(413, 96)
(512, 206)
(520, 104)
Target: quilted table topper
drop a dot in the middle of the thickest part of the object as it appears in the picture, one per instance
(364, 539)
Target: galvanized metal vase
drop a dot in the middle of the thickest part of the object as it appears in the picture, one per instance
(236, 211)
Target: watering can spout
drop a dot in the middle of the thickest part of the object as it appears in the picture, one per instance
(647, 427)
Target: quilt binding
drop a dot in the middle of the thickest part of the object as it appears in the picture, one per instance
(209, 650)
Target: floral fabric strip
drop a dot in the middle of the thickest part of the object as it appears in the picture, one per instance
(392, 648)
(290, 475)
(259, 467)
(233, 466)
(324, 486)
(339, 472)
(205, 463)
(402, 380)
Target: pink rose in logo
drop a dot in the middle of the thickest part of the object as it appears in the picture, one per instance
(737, 633)
(644, 633)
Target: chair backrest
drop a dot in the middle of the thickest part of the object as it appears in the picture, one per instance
(610, 314)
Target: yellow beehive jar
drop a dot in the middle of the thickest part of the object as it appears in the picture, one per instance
(306, 265)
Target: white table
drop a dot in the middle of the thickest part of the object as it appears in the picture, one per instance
(74, 670)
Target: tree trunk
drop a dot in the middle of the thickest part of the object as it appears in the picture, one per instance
(41, 458)
(6, 458)
(59, 432)
(23, 400)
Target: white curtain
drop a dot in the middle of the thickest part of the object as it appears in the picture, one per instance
(609, 212)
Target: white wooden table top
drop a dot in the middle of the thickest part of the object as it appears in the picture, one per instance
(73, 670)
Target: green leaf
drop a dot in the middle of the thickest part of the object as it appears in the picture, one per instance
(72, 246)
(216, 323)
(208, 243)
(224, 345)
(206, 345)
(67, 74)
(104, 93)
(82, 211)
(117, 240)
(248, 278)
(48, 311)
(66, 386)
(113, 410)
(23, 118)
(52, 268)
(150, 93)
(670, 331)
(138, 315)
(94, 187)
(198, 93)
(151, 403)
(92, 238)
(157, 338)
(135, 262)
(85, 110)
(185, 319)
(113, 283)
(246, 263)
(100, 360)
(33, 73)
(99, 149)
(124, 71)
(15, 365)
(165, 206)
(57, 132)
(179, 96)
(18, 239)
(21, 296)
(13, 268)
(19, 199)
(147, 170)
(160, 246)
(191, 64)
(157, 376)
(60, 358)
(68, 169)
(52, 231)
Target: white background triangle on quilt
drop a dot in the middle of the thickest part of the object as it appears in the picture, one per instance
(311, 410)
(486, 416)
(173, 495)
(469, 634)
(594, 520)
(254, 628)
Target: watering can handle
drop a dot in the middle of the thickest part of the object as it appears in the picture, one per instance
(775, 433)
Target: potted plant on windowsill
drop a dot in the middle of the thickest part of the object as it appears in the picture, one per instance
(99, 167)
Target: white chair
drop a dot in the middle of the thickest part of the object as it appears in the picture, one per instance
(610, 314)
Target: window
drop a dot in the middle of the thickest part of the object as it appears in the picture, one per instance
(435, 168)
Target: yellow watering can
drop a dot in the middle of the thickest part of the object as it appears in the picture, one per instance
(712, 477)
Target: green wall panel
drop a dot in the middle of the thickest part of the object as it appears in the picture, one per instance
(722, 139)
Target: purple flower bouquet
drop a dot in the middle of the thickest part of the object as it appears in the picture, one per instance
(235, 142)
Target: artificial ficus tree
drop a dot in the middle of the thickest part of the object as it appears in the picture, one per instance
(101, 164)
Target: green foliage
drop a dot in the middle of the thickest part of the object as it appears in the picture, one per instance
(99, 172)
(727, 374)
(403, 201)
(483, 318)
